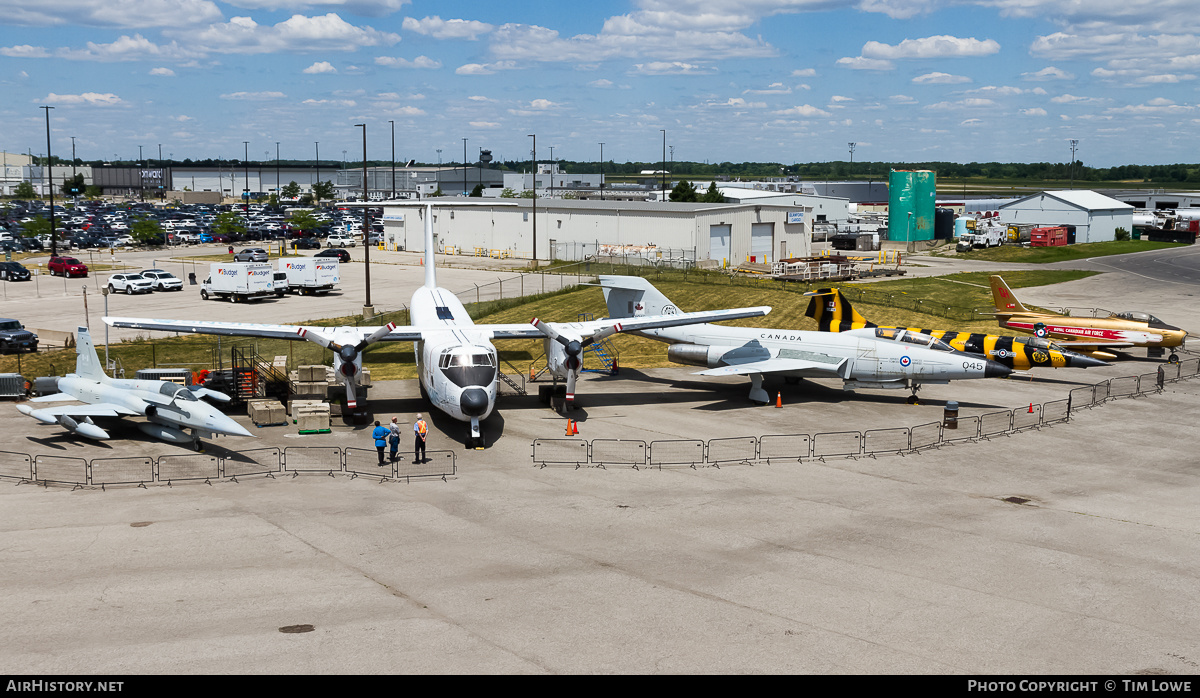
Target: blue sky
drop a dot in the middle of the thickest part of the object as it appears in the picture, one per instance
(758, 80)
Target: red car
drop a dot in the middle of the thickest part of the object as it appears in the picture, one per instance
(66, 266)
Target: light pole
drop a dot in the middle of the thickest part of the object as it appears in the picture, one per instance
(602, 172)
(1074, 142)
(851, 158)
(246, 184)
(465, 192)
(552, 172)
(317, 145)
(141, 176)
(72, 157)
(368, 309)
(534, 137)
(53, 226)
(162, 180)
(664, 164)
(278, 192)
(393, 123)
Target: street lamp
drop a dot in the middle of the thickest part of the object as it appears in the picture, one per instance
(317, 145)
(246, 184)
(368, 309)
(552, 172)
(278, 192)
(851, 157)
(602, 172)
(162, 181)
(465, 192)
(534, 137)
(393, 123)
(53, 226)
(1074, 142)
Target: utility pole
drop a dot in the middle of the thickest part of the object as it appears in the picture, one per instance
(465, 192)
(317, 145)
(552, 168)
(393, 123)
(246, 184)
(664, 164)
(278, 191)
(1074, 143)
(851, 158)
(141, 176)
(73, 157)
(162, 177)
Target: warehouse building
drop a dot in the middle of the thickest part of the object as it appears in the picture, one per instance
(704, 233)
(1095, 217)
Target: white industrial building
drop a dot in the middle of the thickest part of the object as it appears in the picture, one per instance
(1096, 217)
(727, 233)
(824, 209)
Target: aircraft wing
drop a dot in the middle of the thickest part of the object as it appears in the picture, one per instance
(648, 322)
(254, 329)
(777, 365)
(100, 409)
(1084, 343)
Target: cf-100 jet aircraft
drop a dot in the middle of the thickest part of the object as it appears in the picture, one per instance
(869, 358)
(169, 407)
(833, 313)
(456, 359)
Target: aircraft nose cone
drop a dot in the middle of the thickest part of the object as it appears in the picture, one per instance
(1082, 361)
(226, 425)
(994, 369)
(473, 402)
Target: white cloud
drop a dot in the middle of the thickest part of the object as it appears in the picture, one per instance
(366, 8)
(480, 98)
(440, 28)
(408, 111)
(419, 62)
(1074, 99)
(999, 90)
(1165, 78)
(901, 99)
(97, 99)
(24, 51)
(253, 96)
(839, 98)
(804, 110)
(484, 68)
(1155, 107)
(1034, 111)
(128, 48)
(940, 79)
(484, 124)
(320, 67)
(164, 72)
(931, 47)
(860, 63)
(102, 13)
(775, 88)
(602, 82)
(297, 34)
(969, 103)
(971, 122)
(329, 102)
(1049, 73)
(671, 68)
(543, 104)
(670, 36)
(804, 73)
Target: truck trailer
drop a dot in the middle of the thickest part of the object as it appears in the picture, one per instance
(310, 275)
(238, 281)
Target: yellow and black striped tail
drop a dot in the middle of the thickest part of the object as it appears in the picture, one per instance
(833, 312)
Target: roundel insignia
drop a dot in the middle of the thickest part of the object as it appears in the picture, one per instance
(1039, 330)
(1040, 357)
(670, 310)
(905, 361)
(1001, 353)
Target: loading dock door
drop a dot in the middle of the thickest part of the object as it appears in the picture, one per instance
(718, 242)
(762, 242)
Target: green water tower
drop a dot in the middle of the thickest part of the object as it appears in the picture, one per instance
(911, 197)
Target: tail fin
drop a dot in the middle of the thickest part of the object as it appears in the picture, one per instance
(1003, 298)
(430, 249)
(633, 296)
(87, 363)
(833, 312)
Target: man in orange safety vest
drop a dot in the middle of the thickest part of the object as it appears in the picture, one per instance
(421, 431)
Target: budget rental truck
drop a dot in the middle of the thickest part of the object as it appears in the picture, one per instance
(310, 274)
(238, 281)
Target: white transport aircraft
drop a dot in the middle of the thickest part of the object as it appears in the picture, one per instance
(168, 407)
(457, 363)
(870, 358)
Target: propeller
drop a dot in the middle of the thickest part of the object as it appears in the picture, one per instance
(349, 354)
(573, 348)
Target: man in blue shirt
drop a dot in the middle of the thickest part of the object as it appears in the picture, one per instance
(380, 435)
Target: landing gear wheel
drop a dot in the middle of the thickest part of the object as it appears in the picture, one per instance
(912, 399)
(1173, 359)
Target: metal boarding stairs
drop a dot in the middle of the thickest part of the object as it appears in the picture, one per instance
(603, 351)
(254, 376)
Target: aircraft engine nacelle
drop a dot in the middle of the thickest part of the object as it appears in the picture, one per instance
(696, 354)
(165, 433)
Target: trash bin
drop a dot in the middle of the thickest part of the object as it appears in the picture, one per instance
(231, 249)
(950, 415)
(192, 278)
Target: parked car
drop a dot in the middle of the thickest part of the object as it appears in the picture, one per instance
(66, 266)
(163, 280)
(341, 254)
(14, 337)
(130, 283)
(13, 271)
(251, 254)
(308, 244)
(339, 240)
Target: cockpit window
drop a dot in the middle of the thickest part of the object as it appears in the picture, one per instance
(887, 333)
(176, 391)
(916, 338)
(482, 360)
(1137, 316)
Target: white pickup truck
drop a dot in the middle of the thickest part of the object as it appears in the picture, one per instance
(309, 274)
(238, 281)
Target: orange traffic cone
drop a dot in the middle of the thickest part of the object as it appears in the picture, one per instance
(575, 427)
(531, 374)
(569, 431)
(779, 399)
(1031, 408)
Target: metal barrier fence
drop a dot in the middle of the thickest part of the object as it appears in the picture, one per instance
(846, 444)
(200, 467)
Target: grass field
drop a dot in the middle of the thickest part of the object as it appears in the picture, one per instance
(907, 302)
(1046, 255)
